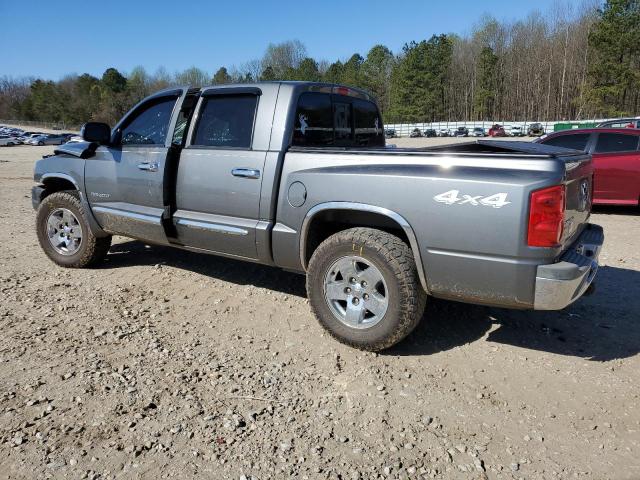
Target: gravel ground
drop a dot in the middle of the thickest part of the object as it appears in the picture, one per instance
(164, 363)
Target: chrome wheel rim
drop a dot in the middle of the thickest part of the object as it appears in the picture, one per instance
(356, 292)
(64, 231)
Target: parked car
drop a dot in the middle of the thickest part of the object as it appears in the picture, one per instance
(7, 141)
(415, 133)
(430, 133)
(49, 139)
(390, 133)
(497, 131)
(461, 132)
(371, 254)
(621, 123)
(516, 131)
(29, 135)
(478, 132)
(535, 130)
(616, 160)
(443, 132)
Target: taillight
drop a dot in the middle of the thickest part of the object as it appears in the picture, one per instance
(546, 217)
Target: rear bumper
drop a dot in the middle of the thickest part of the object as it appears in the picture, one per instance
(562, 283)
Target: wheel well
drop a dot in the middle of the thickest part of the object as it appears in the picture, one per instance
(328, 222)
(56, 184)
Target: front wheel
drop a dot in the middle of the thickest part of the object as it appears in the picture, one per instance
(64, 233)
(363, 287)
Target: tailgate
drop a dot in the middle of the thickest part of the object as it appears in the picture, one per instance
(579, 188)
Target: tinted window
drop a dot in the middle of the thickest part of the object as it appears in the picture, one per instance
(368, 127)
(314, 120)
(616, 142)
(324, 120)
(577, 142)
(150, 126)
(226, 121)
(342, 123)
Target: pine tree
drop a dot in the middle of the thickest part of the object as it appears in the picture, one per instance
(486, 91)
(614, 67)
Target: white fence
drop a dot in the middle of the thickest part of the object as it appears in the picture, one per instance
(402, 129)
(405, 129)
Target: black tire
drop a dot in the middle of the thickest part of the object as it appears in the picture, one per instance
(40, 144)
(91, 250)
(395, 261)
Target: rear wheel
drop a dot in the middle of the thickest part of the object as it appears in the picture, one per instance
(363, 287)
(64, 233)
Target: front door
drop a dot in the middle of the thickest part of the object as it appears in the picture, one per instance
(220, 176)
(124, 181)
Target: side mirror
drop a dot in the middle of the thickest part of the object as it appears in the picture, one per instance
(96, 132)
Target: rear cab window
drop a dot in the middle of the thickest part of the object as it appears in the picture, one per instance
(616, 142)
(326, 119)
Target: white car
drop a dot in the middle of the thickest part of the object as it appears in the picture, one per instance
(29, 136)
(8, 141)
(516, 131)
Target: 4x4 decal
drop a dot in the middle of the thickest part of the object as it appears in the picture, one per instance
(453, 197)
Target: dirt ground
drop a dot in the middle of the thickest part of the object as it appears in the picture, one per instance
(164, 363)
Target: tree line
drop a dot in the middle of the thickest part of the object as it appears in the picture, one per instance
(572, 62)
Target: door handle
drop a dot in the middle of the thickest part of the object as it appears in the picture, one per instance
(149, 167)
(245, 172)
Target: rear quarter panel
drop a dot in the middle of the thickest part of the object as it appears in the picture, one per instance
(470, 251)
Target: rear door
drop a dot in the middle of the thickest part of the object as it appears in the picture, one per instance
(617, 168)
(220, 173)
(124, 181)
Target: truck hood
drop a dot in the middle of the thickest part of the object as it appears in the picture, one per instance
(77, 149)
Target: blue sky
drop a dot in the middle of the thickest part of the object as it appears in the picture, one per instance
(49, 39)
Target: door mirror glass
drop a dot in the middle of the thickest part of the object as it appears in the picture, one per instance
(96, 132)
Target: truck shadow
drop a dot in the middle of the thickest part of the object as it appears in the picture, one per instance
(602, 327)
(134, 253)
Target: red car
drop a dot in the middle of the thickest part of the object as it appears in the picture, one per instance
(616, 158)
(497, 131)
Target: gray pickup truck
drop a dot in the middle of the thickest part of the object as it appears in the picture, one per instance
(297, 175)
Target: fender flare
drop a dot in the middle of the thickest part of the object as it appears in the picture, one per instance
(63, 176)
(96, 229)
(364, 207)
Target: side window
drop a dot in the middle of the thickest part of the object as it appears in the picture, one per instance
(313, 121)
(226, 121)
(616, 142)
(150, 126)
(368, 126)
(577, 142)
